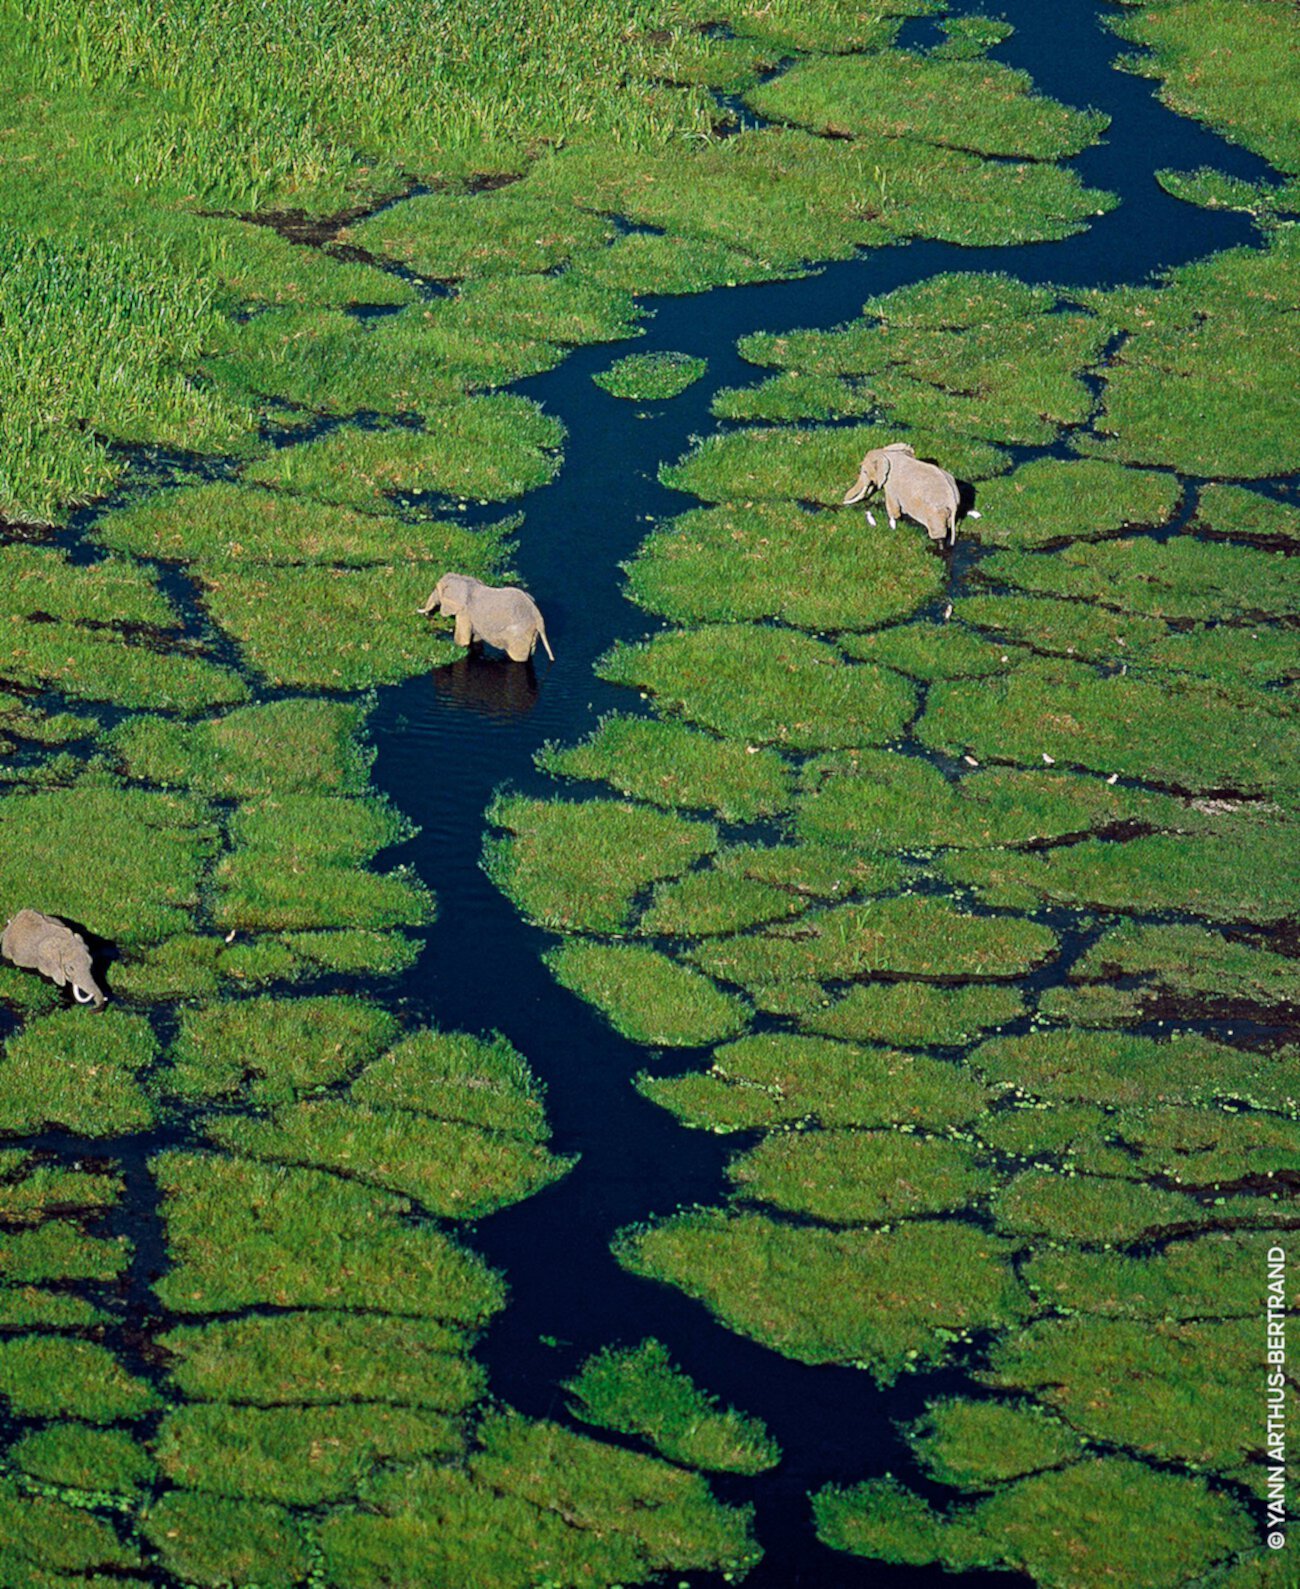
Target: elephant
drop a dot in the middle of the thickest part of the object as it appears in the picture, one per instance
(44, 943)
(501, 615)
(923, 491)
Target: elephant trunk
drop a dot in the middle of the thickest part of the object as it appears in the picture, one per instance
(858, 491)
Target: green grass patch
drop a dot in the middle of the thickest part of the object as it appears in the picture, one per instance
(669, 764)
(887, 1301)
(1127, 1382)
(1205, 381)
(73, 1456)
(271, 1049)
(41, 580)
(24, 1307)
(978, 106)
(31, 1187)
(1181, 732)
(819, 871)
(796, 395)
(241, 1233)
(668, 264)
(816, 464)
(208, 1539)
(915, 1014)
(645, 377)
(483, 1082)
(1234, 510)
(641, 1391)
(1090, 1209)
(328, 628)
(1201, 1147)
(779, 1079)
(312, 1358)
(579, 865)
(296, 1455)
(79, 1072)
(1249, 875)
(44, 1537)
(1209, 1277)
(297, 866)
(773, 686)
(282, 747)
(932, 651)
(48, 1376)
(646, 996)
(491, 448)
(537, 1498)
(976, 1444)
(962, 357)
(1248, 100)
(1178, 579)
(103, 665)
(449, 1168)
(1055, 499)
(704, 904)
(787, 197)
(774, 560)
(224, 522)
(106, 337)
(1191, 964)
(1122, 1069)
(60, 1250)
(915, 935)
(507, 231)
(1088, 1524)
(872, 800)
(858, 1177)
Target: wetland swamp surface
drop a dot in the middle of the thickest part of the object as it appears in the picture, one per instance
(802, 1089)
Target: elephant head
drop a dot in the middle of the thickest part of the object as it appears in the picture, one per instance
(450, 594)
(875, 468)
(43, 943)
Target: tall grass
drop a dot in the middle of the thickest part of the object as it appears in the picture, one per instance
(92, 344)
(293, 94)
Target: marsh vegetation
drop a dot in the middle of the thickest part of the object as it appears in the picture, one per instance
(969, 890)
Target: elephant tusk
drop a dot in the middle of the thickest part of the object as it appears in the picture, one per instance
(857, 493)
(82, 998)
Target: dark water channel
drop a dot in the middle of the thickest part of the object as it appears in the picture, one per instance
(446, 742)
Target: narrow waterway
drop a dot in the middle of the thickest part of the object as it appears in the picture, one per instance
(446, 742)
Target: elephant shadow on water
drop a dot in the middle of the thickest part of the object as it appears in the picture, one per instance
(494, 686)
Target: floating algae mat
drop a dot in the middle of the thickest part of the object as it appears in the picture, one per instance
(565, 1126)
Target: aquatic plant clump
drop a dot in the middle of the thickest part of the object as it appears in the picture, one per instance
(813, 570)
(777, 1079)
(640, 1391)
(775, 686)
(645, 377)
(579, 865)
(647, 996)
(889, 1301)
(671, 765)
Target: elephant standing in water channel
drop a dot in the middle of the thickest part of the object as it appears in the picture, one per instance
(502, 615)
(923, 491)
(36, 942)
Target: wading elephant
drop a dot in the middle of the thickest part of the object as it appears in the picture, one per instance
(922, 491)
(48, 945)
(501, 615)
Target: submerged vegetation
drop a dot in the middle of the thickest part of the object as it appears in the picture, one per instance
(974, 881)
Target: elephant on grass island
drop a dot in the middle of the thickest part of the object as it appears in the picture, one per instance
(922, 491)
(501, 615)
(48, 945)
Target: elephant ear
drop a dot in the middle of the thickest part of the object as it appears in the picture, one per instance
(49, 962)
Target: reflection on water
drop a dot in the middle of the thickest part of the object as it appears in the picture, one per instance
(491, 685)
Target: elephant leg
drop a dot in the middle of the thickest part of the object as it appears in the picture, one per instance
(464, 634)
(893, 507)
(520, 647)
